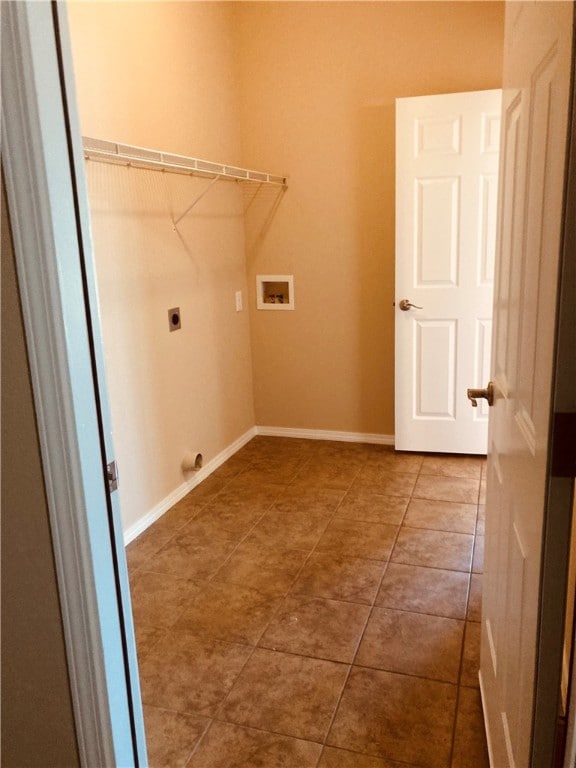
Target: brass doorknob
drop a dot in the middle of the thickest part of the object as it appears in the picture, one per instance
(476, 394)
(406, 304)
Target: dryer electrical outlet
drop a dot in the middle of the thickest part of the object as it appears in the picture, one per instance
(174, 319)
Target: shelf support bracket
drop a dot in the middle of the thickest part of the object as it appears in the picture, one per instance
(206, 189)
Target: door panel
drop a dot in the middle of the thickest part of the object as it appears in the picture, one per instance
(435, 366)
(437, 216)
(534, 115)
(447, 187)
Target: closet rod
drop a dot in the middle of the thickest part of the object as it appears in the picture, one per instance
(140, 157)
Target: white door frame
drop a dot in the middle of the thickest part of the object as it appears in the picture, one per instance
(37, 147)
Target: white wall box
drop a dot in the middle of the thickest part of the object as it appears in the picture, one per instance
(275, 291)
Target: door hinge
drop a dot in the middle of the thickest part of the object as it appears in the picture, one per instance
(112, 475)
(564, 445)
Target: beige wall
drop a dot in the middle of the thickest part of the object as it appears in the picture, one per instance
(162, 75)
(319, 82)
(37, 719)
(157, 74)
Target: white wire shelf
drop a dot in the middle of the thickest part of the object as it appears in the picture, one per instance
(151, 159)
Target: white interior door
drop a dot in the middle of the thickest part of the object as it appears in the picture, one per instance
(447, 150)
(534, 117)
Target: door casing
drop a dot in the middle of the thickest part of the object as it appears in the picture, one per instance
(38, 143)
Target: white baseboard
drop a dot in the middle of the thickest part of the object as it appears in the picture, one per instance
(178, 493)
(326, 434)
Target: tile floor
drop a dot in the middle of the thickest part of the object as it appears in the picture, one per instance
(315, 605)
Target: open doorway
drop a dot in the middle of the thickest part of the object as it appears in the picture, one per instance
(447, 152)
(314, 369)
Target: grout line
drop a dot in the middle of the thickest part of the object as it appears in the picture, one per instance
(461, 665)
(366, 622)
(264, 730)
(198, 743)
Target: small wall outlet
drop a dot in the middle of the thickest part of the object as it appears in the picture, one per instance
(239, 301)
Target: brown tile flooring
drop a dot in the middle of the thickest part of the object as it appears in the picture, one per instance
(315, 605)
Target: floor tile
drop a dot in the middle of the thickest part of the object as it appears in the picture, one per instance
(179, 515)
(339, 577)
(228, 612)
(239, 491)
(262, 446)
(231, 523)
(242, 484)
(475, 598)
(471, 655)
(146, 639)
(373, 541)
(334, 450)
(337, 475)
(207, 489)
(435, 549)
(332, 757)
(396, 461)
(171, 736)
(292, 695)
(231, 514)
(256, 476)
(452, 466)
(233, 746)
(300, 497)
(158, 599)
(317, 521)
(436, 488)
(326, 629)
(193, 555)
(267, 569)
(370, 507)
(470, 749)
(424, 590)
(441, 516)
(385, 481)
(205, 529)
(140, 551)
(395, 716)
(231, 468)
(413, 644)
(189, 674)
(297, 523)
(272, 469)
(478, 558)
